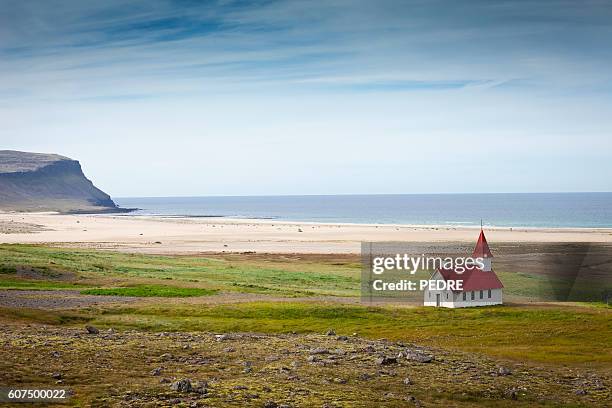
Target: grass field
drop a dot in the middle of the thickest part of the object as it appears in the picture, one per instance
(289, 299)
(286, 276)
(559, 334)
(281, 275)
(150, 291)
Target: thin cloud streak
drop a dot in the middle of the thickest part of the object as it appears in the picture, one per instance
(287, 42)
(310, 85)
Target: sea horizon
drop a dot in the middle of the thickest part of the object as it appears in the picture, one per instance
(539, 210)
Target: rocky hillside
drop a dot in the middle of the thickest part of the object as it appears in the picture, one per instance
(48, 182)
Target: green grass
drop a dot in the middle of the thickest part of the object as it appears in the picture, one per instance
(556, 335)
(7, 269)
(150, 291)
(273, 275)
(286, 277)
(38, 284)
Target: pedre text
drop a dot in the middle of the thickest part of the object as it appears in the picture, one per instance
(407, 285)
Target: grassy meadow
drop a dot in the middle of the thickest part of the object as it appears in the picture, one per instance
(303, 294)
(32, 267)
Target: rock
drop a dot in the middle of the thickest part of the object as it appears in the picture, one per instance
(271, 358)
(229, 350)
(92, 330)
(311, 359)
(201, 388)
(503, 371)
(166, 357)
(581, 392)
(56, 354)
(407, 381)
(331, 332)
(413, 399)
(270, 404)
(511, 393)
(222, 337)
(319, 350)
(183, 385)
(164, 380)
(386, 360)
(156, 371)
(342, 338)
(417, 356)
(57, 376)
(340, 380)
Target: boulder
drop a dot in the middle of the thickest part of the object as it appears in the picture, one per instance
(183, 385)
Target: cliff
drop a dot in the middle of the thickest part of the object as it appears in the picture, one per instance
(48, 182)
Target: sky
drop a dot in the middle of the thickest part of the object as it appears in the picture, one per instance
(194, 98)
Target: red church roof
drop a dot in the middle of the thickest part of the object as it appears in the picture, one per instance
(482, 247)
(473, 279)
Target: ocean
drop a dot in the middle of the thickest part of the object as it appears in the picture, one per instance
(586, 210)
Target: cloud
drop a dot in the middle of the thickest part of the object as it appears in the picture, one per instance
(308, 84)
(221, 46)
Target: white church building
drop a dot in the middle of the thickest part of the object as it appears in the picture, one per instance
(481, 287)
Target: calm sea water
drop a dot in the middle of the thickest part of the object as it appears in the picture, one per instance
(511, 210)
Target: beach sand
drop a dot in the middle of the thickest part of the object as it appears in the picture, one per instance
(169, 235)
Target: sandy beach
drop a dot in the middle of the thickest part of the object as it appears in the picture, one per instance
(166, 235)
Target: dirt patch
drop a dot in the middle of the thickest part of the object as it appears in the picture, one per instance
(30, 272)
(15, 227)
(56, 299)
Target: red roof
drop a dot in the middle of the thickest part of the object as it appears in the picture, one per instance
(482, 247)
(473, 279)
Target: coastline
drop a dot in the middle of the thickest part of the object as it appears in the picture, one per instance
(192, 235)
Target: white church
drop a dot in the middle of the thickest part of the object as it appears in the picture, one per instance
(481, 287)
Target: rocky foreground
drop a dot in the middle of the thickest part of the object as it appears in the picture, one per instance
(132, 368)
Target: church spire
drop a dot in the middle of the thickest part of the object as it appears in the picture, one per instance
(482, 247)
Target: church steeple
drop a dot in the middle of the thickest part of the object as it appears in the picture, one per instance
(482, 251)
